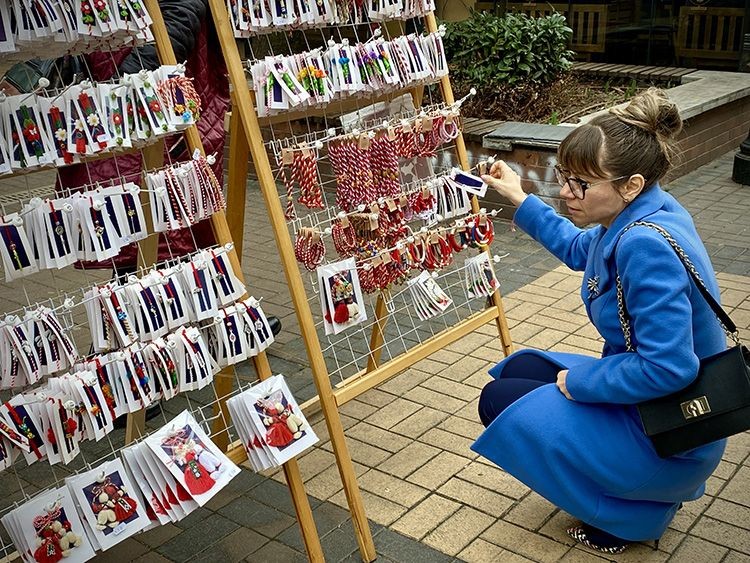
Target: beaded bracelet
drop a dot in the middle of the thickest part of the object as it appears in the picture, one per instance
(309, 248)
(344, 237)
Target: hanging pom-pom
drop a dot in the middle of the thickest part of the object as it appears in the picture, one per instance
(341, 313)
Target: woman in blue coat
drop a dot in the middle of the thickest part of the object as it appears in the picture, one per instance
(566, 424)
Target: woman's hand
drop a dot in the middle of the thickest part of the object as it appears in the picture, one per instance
(505, 182)
(561, 375)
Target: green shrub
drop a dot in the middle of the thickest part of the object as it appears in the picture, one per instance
(488, 50)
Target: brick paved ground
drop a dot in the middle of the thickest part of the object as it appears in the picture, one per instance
(428, 496)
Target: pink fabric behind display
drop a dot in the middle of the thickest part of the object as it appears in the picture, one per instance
(206, 66)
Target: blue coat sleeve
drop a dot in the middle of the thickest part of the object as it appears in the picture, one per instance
(657, 289)
(556, 233)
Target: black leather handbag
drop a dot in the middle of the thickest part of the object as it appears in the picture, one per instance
(714, 406)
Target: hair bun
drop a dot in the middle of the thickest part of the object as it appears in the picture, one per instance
(652, 111)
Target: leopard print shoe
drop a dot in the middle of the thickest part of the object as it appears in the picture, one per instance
(579, 534)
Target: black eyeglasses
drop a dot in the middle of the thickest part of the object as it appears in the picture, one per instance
(578, 186)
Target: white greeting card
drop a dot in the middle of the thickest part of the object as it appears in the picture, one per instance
(345, 304)
(108, 504)
(190, 456)
(51, 529)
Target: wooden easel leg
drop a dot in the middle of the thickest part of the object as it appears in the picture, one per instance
(239, 152)
(296, 485)
(304, 512)
(235, 218)
(223, 235)
(245, 107)
(223, 384)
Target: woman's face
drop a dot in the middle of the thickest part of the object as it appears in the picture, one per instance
(601, 204)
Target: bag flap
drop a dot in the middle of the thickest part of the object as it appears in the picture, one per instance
(722, 385)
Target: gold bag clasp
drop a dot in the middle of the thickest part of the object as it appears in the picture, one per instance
(695, 407)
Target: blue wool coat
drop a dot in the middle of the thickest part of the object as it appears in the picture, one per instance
(591, 456)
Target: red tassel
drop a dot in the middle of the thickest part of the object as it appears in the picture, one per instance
(341, 313)
(182, 494)
(150, 513)
(81, 144)
(171, 499)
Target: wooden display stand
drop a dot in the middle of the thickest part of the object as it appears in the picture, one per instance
(223, 380)
(153, 157)
(246, 139)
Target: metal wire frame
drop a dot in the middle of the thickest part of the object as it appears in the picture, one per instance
(269, 30)
(68, 284)
(202, 404)
(348, 352)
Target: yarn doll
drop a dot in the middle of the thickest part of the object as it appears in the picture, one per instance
(293, 422)
(124, 506)
(209, 461)
(55, 538)
(342, 294)
(198, 479)
(278, 433)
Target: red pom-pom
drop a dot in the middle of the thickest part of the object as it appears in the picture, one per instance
(341, 313)
(70, 426)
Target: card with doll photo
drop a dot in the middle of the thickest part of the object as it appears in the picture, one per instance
(428, 297)
(108, 503)
(277, 420)
(344, 304)
(192, 458)
(479, 276)
(178, 497)
(155, 502)
(47, 529)
(257, 454)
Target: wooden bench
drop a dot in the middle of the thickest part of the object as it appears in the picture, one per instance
(709, 34)
(588, 22)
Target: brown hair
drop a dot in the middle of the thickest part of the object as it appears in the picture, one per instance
(636, 139)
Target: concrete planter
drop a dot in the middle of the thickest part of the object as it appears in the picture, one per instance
(715, 107)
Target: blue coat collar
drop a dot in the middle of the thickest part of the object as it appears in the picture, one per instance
(645, 204)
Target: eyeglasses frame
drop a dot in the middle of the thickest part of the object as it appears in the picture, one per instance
(562, 179)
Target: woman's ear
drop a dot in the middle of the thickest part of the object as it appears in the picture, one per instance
(633, 187)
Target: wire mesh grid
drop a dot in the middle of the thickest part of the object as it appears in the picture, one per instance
(347, 353)
(21, 482)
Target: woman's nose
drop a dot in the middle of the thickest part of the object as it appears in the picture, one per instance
(566, 192)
